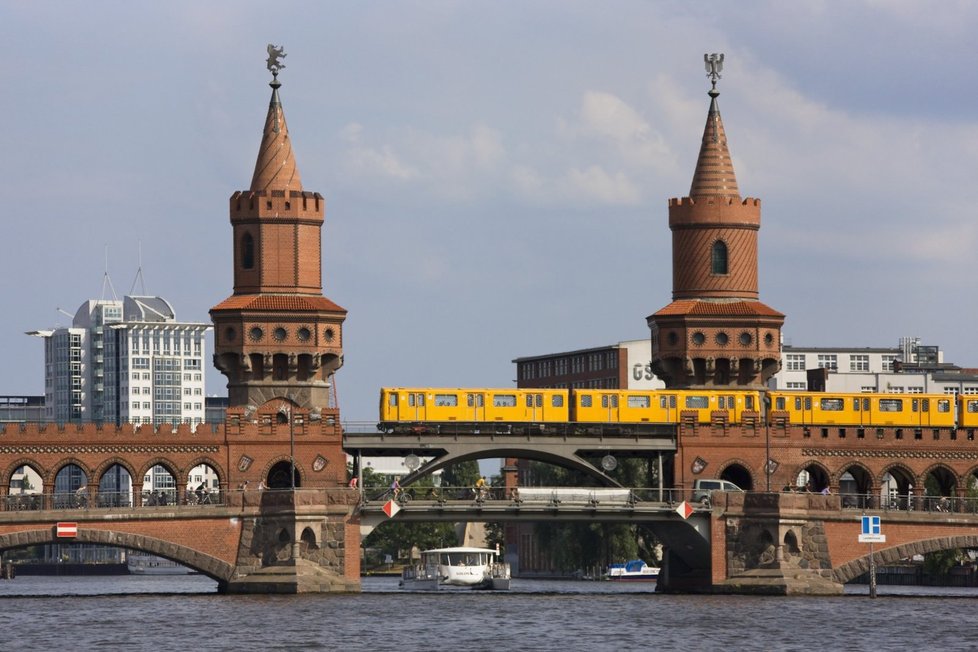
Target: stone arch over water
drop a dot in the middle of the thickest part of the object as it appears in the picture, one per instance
(853, 569)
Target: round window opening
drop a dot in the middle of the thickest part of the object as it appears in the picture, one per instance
(329, 334)
(279, 334)
(768, 339)
(303, 334)
(722, 339)
(698, 338)
(256, 333)
(745, 338)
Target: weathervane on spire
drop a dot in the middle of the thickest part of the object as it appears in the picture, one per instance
(273, 63)
(714, 65)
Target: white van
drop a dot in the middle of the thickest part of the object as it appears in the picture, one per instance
(703, 489)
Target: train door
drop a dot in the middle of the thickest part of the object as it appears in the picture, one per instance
(920, 412)
(413, 409)
(534, 406)
(804, 409)
(476, 404)
(668, 409)
(860, 409)
(609, 407)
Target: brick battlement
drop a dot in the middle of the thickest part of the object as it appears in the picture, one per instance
(276, 203)
(722, 201)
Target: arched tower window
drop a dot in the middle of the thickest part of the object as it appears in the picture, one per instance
(247, 251)
(719, 258)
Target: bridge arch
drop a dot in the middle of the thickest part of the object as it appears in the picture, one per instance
(815, 474)
(104, 467)
(276, 473)
(946, 479)
(853, 569)
(13, 467)
(737, 471)
(536, 454)
(50, 479)
(205, 564)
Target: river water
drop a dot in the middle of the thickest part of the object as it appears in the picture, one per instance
(185, 613)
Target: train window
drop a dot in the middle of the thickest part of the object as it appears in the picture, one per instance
(474, 400)
(446, 400)
(721, 403)
(915, 405)
(972, 406)
(779, 403)
(411, 400)
(832, 404)
(943, 405)
(855, 404)
(539, 400)
(697, 402)
(392, 400)
(529, 400)
(504, 400)
(797, 403)
(586, 400)
(669, 401)
(925, 405)
(866, 405)
(639, 401)
(808, 402)
(748, 402)
(557, 400)
(420, 400)
(891, 405)
(609, 399)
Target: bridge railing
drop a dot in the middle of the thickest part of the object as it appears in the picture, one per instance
(911, 503)
(109, 500)
(526, 495)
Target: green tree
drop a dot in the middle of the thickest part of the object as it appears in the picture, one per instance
(396, 538)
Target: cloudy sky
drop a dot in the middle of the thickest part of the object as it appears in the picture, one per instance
(496, 173)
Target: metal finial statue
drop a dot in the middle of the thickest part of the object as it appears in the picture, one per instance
(714, 65)
(273, 63)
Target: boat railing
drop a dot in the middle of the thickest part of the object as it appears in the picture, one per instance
(498, 570)
(420, 572)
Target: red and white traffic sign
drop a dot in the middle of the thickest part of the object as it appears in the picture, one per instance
(66, 530)
(391, 508)
(684, 509)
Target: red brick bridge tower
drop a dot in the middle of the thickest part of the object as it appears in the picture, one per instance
(715, 332)
(278, 340)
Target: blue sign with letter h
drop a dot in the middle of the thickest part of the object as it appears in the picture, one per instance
(871, 525)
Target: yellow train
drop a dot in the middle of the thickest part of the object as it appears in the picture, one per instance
(411, 408)
(404, 409)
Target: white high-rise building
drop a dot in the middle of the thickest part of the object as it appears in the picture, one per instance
(127, 361)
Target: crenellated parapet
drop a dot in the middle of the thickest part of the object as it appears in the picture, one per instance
(286, 205)
(730, 212)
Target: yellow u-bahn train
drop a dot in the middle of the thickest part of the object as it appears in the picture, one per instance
(407, 409)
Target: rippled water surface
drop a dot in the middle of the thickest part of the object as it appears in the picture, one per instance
(184, 612)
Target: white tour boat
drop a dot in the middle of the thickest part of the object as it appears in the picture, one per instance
(633, 571)
(475, 568)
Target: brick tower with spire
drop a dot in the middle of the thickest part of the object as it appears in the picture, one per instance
(715, 333)
(278, 339)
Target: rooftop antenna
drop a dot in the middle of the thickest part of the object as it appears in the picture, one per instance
(139, 273)
(106, 281)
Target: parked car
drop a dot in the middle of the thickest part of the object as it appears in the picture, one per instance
(703, 489)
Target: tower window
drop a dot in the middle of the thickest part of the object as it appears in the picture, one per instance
(719, 257)
(247, 251)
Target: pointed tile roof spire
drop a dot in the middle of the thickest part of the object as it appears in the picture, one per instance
(714, 174)
(275, 168)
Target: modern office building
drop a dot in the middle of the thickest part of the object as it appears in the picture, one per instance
(125, 361)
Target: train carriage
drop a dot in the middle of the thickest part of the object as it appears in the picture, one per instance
(427, 408)
(659, 406)
(967, 411)
(866, 410)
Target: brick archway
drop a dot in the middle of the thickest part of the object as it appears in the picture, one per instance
(205, 564)
(853, 569)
